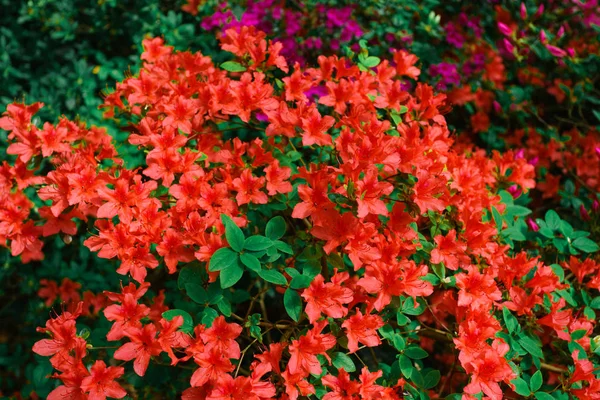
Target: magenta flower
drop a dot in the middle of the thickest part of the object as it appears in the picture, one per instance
(504, 29)
(533, 225)
(556, 51)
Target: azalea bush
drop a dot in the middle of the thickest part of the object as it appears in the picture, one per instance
(271, 221)
(296, 244)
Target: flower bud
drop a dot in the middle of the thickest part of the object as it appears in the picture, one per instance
(514, 190)
(534, 161)
(556, 51)
(508, 45)
(543, 36)
(497, 107)
(571, 52)
(539, 11)
(504, 29)
(520, 154)
(533, 225)
(523, 11)
(560, 32)
(584, 214)
(595, 206)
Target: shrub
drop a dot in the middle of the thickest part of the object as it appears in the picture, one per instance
(289, 226)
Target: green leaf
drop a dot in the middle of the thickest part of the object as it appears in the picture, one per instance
(257, 243)
(233, 66)
(233, 233)
(221, 259)
(510, 320)
(517, 211)
(439, 270)
(586, 245)
(552, 220)
(543, 396)
(578, 334)
(521, 387)
(230, 275)
(196, 292)
(208, 316)
(406, 366)
(293, 304)
(270, 275)
(416, 353)
(190, 273)
(536, 381)
(41, 374)
(402, 319)
(283, 247)
(595, 303)
(530, 345)
(188, 322)
(224, 306)
(370, 61)
(409, 307)
(301, 282)
(341, 360)
(275, 228)
(417, 378)
(250, 261)
(431, 379)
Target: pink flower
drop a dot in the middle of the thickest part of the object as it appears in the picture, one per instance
(523, 11)
(504, 29)
(532, 224)
(556, 51)
(508, 45)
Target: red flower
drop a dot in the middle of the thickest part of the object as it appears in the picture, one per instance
(101, 382)
(143, 345)
(327, 298)
(362, 328)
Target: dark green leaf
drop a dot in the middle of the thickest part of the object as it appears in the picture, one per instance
(509, 320)
(208, 316)
(196, 292)
(221, 259)
(275, 228)
(257, 243)
(230, 275)
(431, 379)
(270, 275)
(415, 353)
(530, 345)
(552, 220)
(341, 360)
(536, 381)
(586, 245)
(300, 282)
(521, 387)
(543, 396)
(233, 233)
(293, 304)
(250, 261)
(406, 366)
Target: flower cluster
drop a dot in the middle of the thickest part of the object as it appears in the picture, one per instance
(293, 220)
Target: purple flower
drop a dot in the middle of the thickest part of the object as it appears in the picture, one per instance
(453, 36)
(447, 72)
